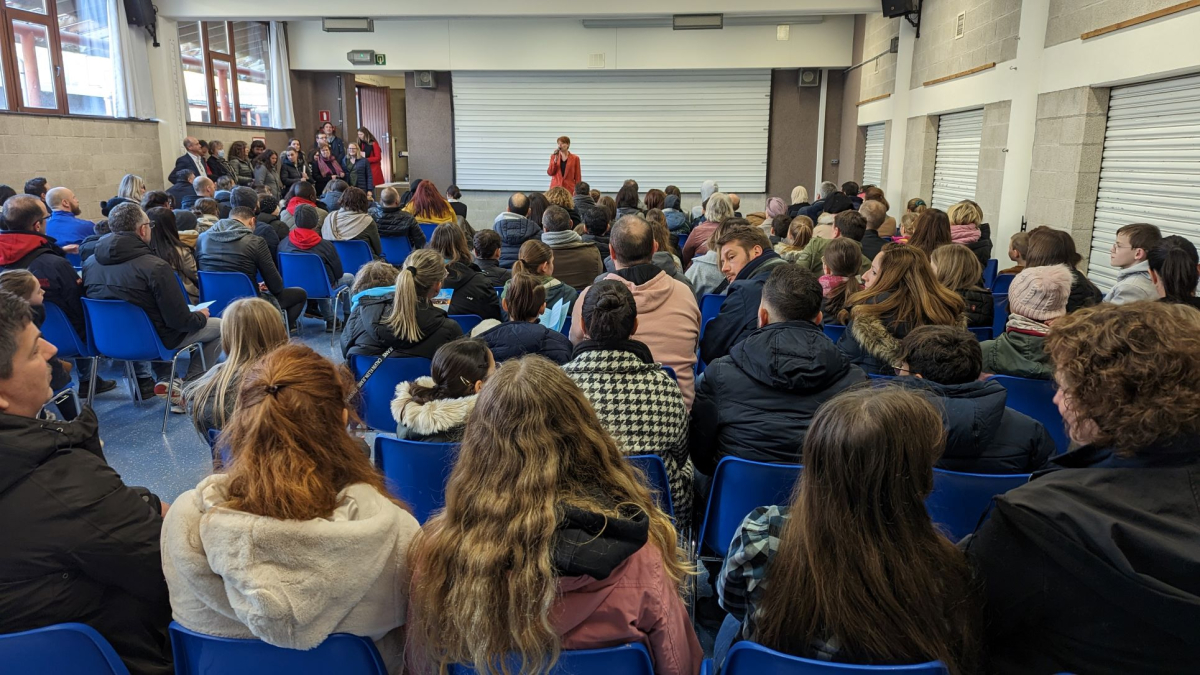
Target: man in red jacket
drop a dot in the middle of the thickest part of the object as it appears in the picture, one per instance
(564, 167)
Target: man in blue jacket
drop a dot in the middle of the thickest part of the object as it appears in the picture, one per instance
(746, 259)
(64, 224)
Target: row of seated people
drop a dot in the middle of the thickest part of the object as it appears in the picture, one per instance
(549, 540)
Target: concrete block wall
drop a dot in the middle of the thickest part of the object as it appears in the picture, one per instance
(1068, 145)
(920, 150)
(990, 179)
(992, 27)
(88, 155)
(879, 77)
(1071, 18)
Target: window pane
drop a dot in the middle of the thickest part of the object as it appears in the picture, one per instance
(38, 6)
(253, 64)
(32, 45)
(218, 38)
(223, 89)
(3, 91)
(191, 51)
(88, 65)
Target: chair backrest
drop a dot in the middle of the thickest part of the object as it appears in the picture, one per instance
(427, 229)
(630, 659)
(416, 472)
(738, 487)
(670, 371)
(566, 327)
(748, 658)
(307, 271)
(1036, 399)
(959, 501)
(710, 307)
(466, 321)
(833, 331)
(377, 393)
(62, 648)
(1002, 282)
(58, 331)
(199, 654)
(656, 477)
(1000, 318)
(395, 249)
(354, 253)
(123, 331)
(981, 333)
(989, 273)
(222, 288)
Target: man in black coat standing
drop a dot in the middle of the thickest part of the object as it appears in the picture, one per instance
(189, 161)
(79, 545)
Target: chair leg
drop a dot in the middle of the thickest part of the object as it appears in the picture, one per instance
(92, 380)
(131, 383)
(170, 390)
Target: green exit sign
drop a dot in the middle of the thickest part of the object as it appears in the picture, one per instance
(381, 59)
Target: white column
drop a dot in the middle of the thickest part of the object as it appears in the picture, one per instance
(818, 176)
(899, 131)
(166, 76)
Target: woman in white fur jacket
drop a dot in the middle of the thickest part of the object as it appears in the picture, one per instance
(299, 538)
(435, 409)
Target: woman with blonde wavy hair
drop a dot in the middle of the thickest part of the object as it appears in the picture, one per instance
(550, 540)
(901, 292)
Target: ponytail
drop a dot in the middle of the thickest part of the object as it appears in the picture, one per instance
(532, 256)
(423, 270)
(525, 297)
(457, 366)
(1174, 260)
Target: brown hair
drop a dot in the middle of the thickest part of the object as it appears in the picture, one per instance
(655, 199)
(908, 224)
(609, 205)
(558, 196)
(916, 205)
(375, 274)
(206, 206)
(524, 298)
(1048, 246)
(532, 255)
(662, 234)
(843, 257)
(1141, 235)
(456, 367)
(449, 240)
(859, 558)
(874, 194)
(739, 231)
(290, 451)
(354, 199)
(800, 232)
(1020, 243)
(906, 292)
(957, 267)
(932, 231)
(20, 282)
(1132, 371)
(237, 150)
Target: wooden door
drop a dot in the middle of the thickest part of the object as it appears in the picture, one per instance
(375, 115)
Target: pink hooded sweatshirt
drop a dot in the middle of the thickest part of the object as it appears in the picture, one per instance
(967, 233)
(668, 323)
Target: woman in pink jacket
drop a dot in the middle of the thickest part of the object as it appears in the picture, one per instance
(549, 541)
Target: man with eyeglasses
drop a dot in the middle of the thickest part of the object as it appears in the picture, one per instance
(125, 268)
(24, 245)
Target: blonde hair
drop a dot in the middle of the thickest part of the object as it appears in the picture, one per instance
(957, 267)
(484, 576)
(250, 328)
(374, 274)
(531, 257)
(21, 283)
(908, 224)
(719, 208)
(800, 232)
(906, 292)
(132, 187)
(423, 270)
(558, 196)
(965, 212)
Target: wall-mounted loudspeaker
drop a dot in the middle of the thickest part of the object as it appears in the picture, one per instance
(894, 8)
(424, 79)
(810, 77)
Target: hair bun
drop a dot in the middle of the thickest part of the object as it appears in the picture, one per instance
(609, 301)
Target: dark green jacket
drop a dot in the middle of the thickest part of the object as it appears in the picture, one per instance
(1017, 354)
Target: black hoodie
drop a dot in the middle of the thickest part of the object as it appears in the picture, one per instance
(593, 544)
(366, 331)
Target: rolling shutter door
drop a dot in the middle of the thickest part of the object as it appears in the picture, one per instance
(1151, 166)
(956, 165)
(659, 128)
(873, 156)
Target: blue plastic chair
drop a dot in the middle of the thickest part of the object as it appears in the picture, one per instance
(681, 239)
(123, 332)
(960, 501)
(748, 658)
(62, 648)
(466, 321)
(74, 259)
(710, 307)
(199, 654)
(981, 333)
(222, 288)
(833, 331)
(1000, 318)
(989, 273)
(395, 249)
(656, 478)
(58, 331)
(630, 659)
(307, 271)
(738, 487)
(1003, 281)
(427, 229)
(670, 371)
(566, 327)
(416, 472)
(380, 389)
(1036, 399)
(354, 254)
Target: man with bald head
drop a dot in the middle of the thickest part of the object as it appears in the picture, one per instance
(515, 228)
(64, 225)
(189, 161)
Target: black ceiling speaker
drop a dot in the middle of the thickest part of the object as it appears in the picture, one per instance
(895, 8)
(143, 14)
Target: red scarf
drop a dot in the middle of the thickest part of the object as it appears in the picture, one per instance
(304, 238)
(297, 201)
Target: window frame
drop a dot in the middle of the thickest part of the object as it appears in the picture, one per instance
(210, 85)
(14, 84)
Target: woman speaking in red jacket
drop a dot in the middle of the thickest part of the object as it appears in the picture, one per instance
(564, 167)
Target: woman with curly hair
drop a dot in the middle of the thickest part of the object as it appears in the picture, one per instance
(1092, 568)
(558, 196)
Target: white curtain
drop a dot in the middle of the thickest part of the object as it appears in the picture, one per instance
(281, 79)
(134, 95)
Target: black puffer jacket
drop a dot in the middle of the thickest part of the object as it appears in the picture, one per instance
(497, 275)
(124, 268)
(982, 247)
(38, 254)
(229, 246)
(1083, 292)
(79, 545)
(366, 333)
(980, 308)
(513, 339)
(278, 226)
(982, 435)
(289, 174)
(514, 230)
(111, 203)
(395, 222)
(473, 291)
(739, 313)
(757, 402)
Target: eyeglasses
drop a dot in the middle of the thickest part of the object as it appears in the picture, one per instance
(1117, 246)
(901, 371)
(148, 223)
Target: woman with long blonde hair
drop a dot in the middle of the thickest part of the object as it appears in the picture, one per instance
(958, 269)
(901, 293)
(248, 552)
(550, 540)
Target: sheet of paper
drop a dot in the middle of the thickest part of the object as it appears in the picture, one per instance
(203, 305)
(554, 317)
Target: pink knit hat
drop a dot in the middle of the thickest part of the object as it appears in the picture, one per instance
(776, 207)
(1040, 293)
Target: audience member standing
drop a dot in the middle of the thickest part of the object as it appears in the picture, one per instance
(576, 262)
(515, 229)
(393, 221)
(266, 171)
(524, 301)
(64, 224)
(326, 167)
(958, 269)
(747, 259)
(336, 145)
(291, 168)
(564, 169)
(435, 408)
(473, 292)
(429, 206)
(1091, 568)
(1048, 246)
(256, 148)
(1128, 254)
(588, 560)
(1174, 269)
(1036, 299)
(351, 221)
(358, 170)
(372, 151)
(217, 164)
(190, 160)
(240, 168)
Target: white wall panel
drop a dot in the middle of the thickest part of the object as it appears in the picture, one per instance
(873, 156)
(956, 167)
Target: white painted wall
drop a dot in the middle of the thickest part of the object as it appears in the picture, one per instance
(564, 44)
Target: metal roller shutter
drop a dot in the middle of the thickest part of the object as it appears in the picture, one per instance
(873, 156)
(659, 128)
(1151, 166)
(956, 165)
